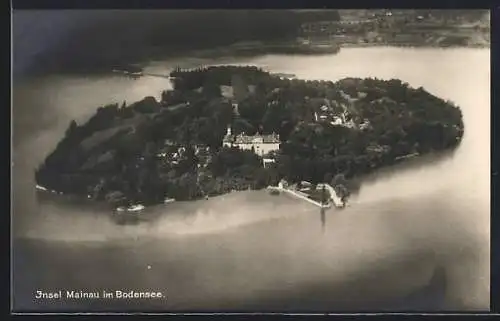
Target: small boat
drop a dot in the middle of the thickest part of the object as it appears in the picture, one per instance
(128, 215)
(327, 205)
(40, 188)
(285, 75)
(130, 73)
(341, 205)
(169, 200)
(135, 208)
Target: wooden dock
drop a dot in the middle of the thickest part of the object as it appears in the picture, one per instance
(140, 74)
(300, 195)
(334, 199)
(337, 201)
(156, 75)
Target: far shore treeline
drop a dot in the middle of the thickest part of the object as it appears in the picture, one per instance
(101, 39)
(148, 151)
(97, 41)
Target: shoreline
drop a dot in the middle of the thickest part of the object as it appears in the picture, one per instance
(357, 181)
(328, 48)
(411, 45)
(212, 53)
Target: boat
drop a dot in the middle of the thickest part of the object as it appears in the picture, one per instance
(169, 200)
(340, 206)
(40, 188)
(127, 215)
(135, 208)
(130, 70)
(284, 75)
(326, 205)
(135, 74)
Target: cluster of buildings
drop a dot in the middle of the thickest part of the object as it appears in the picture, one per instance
(327, 114)
(336, 113)
(328, 111)
(174, 154)
(261, 145)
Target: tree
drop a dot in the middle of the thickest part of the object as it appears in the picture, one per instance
(211, 90)
(339, 179)
(147, 105)
(327, 177)
(342, 192)
(71, 129)
(252, 110)
(262, 178)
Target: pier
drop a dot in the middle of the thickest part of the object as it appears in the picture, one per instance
(337, 201)
(140, 74)
(334, 199)
(156, 75)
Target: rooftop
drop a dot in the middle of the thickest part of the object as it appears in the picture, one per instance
(256, 139)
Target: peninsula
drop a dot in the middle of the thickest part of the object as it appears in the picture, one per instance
(231, 128)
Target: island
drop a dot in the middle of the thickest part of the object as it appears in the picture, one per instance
(228, 128)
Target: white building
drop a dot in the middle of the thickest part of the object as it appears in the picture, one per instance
(365, 124)
(282, 184)
(261, 144)
(267, 162)
(337, 121)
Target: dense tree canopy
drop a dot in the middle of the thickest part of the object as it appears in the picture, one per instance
(150, 150)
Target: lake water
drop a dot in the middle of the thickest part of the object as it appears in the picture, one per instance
(260, 252)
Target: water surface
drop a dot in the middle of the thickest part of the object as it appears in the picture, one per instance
(259, 252)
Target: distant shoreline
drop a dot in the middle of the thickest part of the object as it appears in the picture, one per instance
(238, 53)
(313, 50)
(411, 45)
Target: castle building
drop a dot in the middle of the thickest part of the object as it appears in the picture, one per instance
(261, 144)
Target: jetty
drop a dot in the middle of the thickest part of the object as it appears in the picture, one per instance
(334, 199)
(137, 74)
(150, 74)
(337, 201)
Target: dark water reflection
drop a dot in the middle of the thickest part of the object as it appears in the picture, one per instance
(415, 237)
